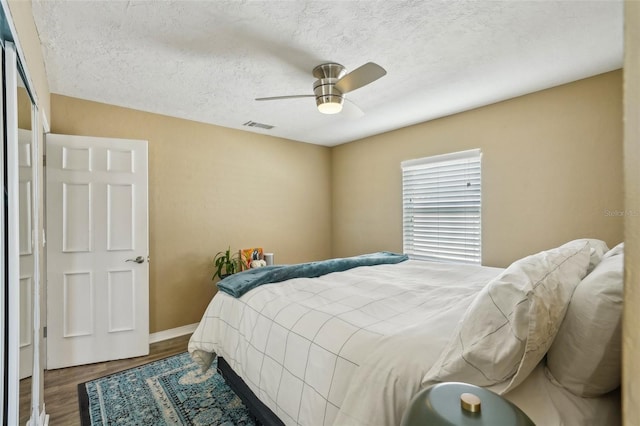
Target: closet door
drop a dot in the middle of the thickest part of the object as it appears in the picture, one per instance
(13, 235)
(4, 249)
(22, 248)
(26, 196)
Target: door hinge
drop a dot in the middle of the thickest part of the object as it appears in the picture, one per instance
(44, 161)
(44, 332)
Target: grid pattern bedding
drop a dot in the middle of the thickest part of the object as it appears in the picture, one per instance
(298, 344)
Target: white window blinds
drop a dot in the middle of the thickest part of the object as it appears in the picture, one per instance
(441, 204)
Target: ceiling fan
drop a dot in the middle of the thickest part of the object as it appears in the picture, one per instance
(333, 82)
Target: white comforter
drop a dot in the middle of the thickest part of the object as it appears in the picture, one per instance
(328, 350)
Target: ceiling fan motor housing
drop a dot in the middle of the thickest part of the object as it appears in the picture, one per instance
(324, 88)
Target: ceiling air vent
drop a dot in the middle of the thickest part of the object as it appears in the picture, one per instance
(260, 125)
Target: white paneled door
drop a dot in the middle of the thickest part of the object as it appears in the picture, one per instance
(97, 250)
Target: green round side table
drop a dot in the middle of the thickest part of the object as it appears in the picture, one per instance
(462, 404)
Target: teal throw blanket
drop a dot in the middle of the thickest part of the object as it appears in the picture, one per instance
(238, 284)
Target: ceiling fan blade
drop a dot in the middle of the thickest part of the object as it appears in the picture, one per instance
(351, 110)
(367, 73)
(275, 98)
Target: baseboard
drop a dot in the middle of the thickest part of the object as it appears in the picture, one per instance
(171, 333)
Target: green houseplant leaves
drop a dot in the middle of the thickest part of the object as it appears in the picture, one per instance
(226, 264)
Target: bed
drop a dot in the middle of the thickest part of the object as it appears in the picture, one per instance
(353, 347)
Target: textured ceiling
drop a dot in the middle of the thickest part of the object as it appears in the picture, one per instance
(208, 60)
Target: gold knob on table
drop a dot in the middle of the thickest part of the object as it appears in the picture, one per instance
(470, 402)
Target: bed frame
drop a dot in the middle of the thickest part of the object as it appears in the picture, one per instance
(262, 414)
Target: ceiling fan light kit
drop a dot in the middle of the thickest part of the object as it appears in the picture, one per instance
(329, 104)
(333, 82)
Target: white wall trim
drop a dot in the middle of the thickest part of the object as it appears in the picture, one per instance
(171, 333)
(42, 419)
(45, 122)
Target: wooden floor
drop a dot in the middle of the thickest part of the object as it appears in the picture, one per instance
(60, 386)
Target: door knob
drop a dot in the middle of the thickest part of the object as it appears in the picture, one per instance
(138, 259)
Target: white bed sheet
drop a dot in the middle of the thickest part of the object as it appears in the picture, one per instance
(547, 403)
(348, 348)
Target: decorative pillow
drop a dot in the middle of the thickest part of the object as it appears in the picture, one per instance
(585, 357)
(512, 322)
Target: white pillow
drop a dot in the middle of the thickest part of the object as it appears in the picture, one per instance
(512, 322)
(585, 357)
(617, 250)
(598, 250)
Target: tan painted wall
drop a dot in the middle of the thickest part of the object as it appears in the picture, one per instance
(552, 166)
(631, 330)
(211, 187)
(24, 109)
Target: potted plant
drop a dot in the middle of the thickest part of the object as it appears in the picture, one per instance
(226, 264)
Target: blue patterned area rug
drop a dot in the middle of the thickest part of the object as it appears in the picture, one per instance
(171, 391)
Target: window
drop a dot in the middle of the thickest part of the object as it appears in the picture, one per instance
(441, 207)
